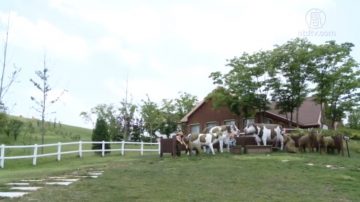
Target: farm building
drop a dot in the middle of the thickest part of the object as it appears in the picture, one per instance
(205, 115)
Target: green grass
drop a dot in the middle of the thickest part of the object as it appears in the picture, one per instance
(223, 177)
(30, 133)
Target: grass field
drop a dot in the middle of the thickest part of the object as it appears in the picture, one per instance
(224, 177)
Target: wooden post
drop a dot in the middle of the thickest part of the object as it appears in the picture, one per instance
(59, 151)
(159, 146)
(142, 148)
(35, 154)
(122, 147)
(103, 148)
(80, 149)
(2, 156)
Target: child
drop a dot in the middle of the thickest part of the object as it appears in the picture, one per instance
(179, 142)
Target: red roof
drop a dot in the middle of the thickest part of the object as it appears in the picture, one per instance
(309, 113)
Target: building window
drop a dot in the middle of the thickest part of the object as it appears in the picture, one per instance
(229, 122)
(267, 120)
(195, 128)
(249, 121)
(211, 124)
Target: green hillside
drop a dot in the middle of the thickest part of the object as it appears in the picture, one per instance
(55, 132)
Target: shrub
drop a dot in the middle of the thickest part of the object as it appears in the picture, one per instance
(100, 133)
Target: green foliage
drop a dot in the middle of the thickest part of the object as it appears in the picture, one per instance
(3, 122)
(291, 64)
(120, 120)
(336, 75)
(14, 128)
(151, 114)
(100, 133)
(170, 120)
(184, 104)
(241, 89)
(286, 72)
(127, 119)
(165, 118)
(354, 119)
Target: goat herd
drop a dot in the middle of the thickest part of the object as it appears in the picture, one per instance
(296, 141)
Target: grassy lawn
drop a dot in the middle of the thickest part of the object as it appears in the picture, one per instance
(225, 177)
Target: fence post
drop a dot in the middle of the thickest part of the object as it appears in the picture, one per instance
(80, 149)
(35, 154)
(159, 146)
(59, 151)
(103, 149)
(2, 156)
(122, 147)
(142, 148)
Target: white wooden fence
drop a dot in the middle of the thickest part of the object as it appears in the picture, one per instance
(79, 151)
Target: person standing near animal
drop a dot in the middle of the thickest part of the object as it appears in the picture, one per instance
(179, 142)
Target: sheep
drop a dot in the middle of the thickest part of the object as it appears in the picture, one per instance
(325, 142)
(308, 141)
(289, 144)
(332, 143)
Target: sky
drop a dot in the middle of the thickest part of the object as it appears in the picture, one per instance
(95, 50)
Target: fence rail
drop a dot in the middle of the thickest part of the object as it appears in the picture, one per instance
(60, 151)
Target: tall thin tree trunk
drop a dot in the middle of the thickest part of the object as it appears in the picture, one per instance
(2, 105)
(321, 114)
(43, 109)
(297, 116)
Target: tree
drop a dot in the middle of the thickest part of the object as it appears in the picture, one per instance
(127, 118)
(151, 115)
(354, 119)
(137, 130)
(336, 78)
(241, 89)
(121, 120)
(100, 133)
(43, 103)
(108, 113)
(5, 87)
(169, 116)
(290, 65)
(3, 122)
(184, 104)
(14, 128)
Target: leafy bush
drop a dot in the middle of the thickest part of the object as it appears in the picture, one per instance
(101, 133)
(352, 133)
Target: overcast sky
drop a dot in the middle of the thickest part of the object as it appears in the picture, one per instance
(161, 47)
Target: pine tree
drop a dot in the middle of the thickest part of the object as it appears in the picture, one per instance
(101, 133)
